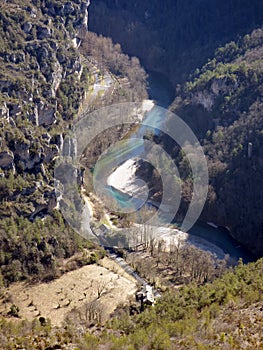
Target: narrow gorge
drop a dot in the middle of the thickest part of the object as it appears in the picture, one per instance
(213, 71)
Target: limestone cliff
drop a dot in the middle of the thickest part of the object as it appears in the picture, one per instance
(46, 80)
(39, 61)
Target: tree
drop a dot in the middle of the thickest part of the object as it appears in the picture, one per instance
(101, 288)
(14, 310)
(93, 312)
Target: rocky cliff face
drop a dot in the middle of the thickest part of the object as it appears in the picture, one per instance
(47, 76)
(43, 81)
(40, 92)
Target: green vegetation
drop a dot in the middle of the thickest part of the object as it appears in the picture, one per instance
(44, 246)
(32, 54)
(224, 314)
(234, 78)
(175, 37)
(43, 80)
(130, 76)
(193, 316)
(43, 83)
(221, 104)
(40, 93)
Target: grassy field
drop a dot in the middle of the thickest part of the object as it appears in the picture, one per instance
(108, 284)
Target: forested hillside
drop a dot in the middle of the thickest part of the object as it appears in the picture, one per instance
(48, 67)
(174, 36)
(224, 314)
(220, 45)
(223, 105)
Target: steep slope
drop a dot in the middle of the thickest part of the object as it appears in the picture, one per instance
(224, 314)
(174, 37)
(223, 105)
(41, 90)
(221, 100)
(46, 80)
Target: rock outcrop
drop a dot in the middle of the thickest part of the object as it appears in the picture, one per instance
(40, 90)
(6, 159)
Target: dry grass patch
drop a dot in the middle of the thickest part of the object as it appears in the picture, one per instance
(56, 299)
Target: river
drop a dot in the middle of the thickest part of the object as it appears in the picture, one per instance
(162, 92)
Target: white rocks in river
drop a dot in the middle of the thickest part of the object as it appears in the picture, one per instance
(146, 106)
(123, 176)
(172, 236)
